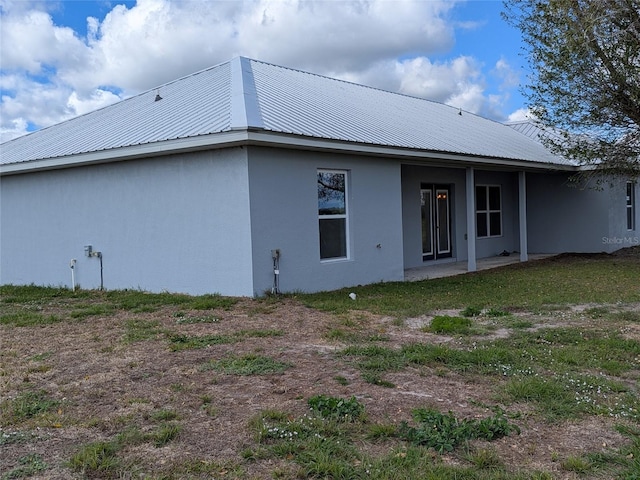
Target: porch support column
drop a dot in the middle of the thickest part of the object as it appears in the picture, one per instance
(522, 205)
(471, 221)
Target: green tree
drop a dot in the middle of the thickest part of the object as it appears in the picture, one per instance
(584, 82)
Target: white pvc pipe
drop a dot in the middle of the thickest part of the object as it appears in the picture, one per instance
(72, 265)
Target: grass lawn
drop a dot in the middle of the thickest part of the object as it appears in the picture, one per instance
(525, 372)
(558, 281)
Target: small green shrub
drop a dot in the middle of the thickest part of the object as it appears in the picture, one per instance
(450, 325)
(339, 408)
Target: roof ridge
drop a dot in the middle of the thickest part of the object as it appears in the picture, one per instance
(245, 106)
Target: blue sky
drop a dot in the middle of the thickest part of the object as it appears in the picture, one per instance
(64, 58)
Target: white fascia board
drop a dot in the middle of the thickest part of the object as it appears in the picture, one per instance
(413, 155)
(167, 147)
(272, 139)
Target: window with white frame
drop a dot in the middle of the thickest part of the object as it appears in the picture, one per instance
(333, 214)
(488, 211)
(631, 206)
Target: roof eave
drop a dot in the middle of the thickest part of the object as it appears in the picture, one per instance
(260, 137)
(433, 157)
(147, 150)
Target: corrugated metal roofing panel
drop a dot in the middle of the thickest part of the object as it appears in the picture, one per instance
(246, 93)
(195, 105)
(311, 105)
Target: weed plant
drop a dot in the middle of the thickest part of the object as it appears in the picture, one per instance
(447, 325)
(444, 432)
(102, 459)
(246, 365)
(341, 409)
(471, 312)
(26, 405)
(324, 445)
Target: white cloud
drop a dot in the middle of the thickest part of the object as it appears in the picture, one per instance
(341, 36)
(51, 73)
(458, 82)
(32, 43)
(29, 99)
(508, 76)
(442, 82)
(15, 127)
(97, 99)
(520, 115)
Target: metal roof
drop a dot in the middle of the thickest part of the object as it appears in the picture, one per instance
(535, 130)
(248, 95)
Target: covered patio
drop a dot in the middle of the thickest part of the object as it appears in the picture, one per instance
(450, 269)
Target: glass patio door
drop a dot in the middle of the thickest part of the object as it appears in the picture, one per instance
(435, 208)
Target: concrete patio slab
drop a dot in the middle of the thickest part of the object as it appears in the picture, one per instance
(458, 268)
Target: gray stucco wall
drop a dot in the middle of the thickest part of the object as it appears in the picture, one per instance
(178, 223)
(284, 215)
(510, 238)
(413, 176)
(564, 218)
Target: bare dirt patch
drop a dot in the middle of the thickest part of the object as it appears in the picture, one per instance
(105, 383)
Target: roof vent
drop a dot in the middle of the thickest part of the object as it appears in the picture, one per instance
(158, 97)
